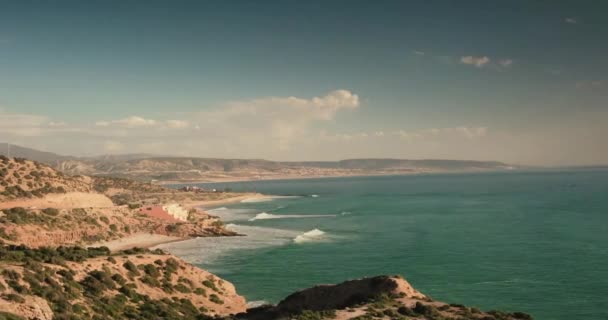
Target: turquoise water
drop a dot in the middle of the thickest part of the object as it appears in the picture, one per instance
(529, 241)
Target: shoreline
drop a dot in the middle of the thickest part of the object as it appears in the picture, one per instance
(297, 177)
(213, 203)
(139, 240)
(150, 240)
(284, 177)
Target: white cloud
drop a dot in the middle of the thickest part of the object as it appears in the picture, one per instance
(59, 124)
(424, 135)
(130, 122)
(589, 84)
(505, 63)
(324, 107)
(478, 62)
(273, 120)
(571, 20)
(177, 124)
(22, 124)
(135, 122)
(111, 146)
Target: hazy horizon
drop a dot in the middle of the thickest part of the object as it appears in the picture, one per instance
(510, 81)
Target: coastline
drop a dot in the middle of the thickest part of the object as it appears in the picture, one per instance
(150, 240)
(300, 177)
(140, 240)
(212, 203)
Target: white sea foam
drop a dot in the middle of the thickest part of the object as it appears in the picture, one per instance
(256, 200)
(345, 213)
(232, 214)
(266, 199)
(309, 236)
(256, 303)
(208, 249)
(314, 195)
(267, 216)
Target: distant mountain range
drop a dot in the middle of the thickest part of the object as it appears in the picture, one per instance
(148, 167)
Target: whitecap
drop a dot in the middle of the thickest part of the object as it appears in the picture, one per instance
(314, 195)
(268, 216)
(309, 236)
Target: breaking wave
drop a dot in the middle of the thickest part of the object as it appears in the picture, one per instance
(268, 216)
(309, 236)
(256, 303)
(229, 214)
(208, 249)
(266, 199)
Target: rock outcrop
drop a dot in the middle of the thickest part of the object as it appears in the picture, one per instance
(347, 294)
(381, 297)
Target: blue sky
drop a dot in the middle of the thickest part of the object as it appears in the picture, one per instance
(517, 81)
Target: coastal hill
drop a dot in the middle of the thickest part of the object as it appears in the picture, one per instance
(93, 283)
(144, 167)
(42, 206)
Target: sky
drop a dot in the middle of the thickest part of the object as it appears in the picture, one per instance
(524, 82)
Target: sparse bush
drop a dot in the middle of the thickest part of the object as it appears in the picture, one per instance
(14, 297)
(215, 299)
(50, 211)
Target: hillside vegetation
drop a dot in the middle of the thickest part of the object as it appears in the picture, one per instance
(77, 283)
(20, 178)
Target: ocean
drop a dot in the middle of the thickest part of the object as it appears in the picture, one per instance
(535, 242)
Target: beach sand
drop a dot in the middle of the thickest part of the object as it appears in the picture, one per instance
(215, 203)
(140, 240)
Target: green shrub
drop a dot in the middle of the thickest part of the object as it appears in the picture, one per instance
(130, 266)
(50, 211)
(9, 316)
(152, 282)
(14, 297)
(215, 299)
(210, 284)
(182, 288)
(151, 270)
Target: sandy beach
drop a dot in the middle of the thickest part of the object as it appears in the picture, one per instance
(140, 240)
(214, 203)
(148, 240)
